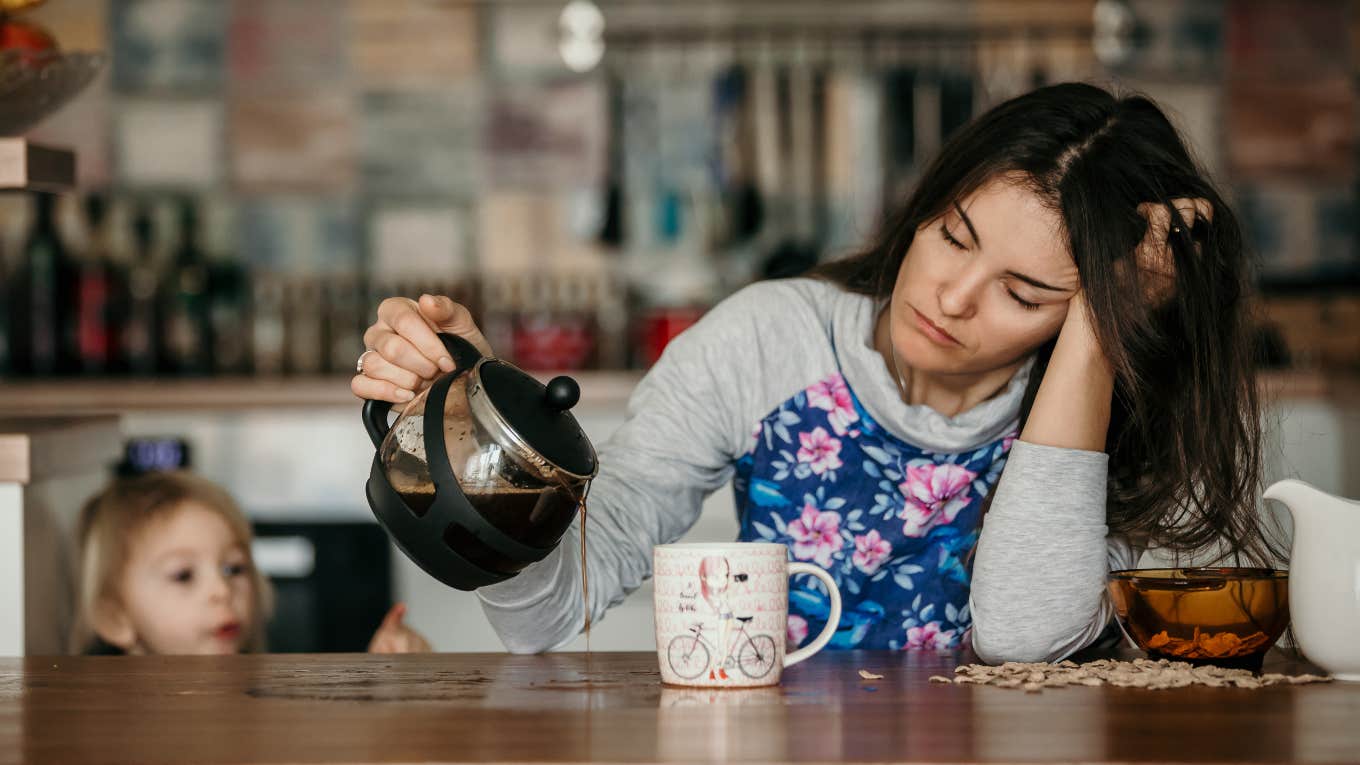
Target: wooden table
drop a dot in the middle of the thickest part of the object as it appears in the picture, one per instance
(611, 708)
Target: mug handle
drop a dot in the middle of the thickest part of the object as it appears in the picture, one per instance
(833, 620)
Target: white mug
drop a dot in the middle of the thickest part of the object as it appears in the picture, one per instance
(722, 613)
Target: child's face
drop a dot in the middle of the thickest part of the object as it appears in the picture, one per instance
(188, 587)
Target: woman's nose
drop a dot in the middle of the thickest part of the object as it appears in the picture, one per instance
(958, 294)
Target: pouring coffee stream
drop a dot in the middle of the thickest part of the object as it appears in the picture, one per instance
(483, 472)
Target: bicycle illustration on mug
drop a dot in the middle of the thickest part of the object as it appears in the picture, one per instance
(691, 655)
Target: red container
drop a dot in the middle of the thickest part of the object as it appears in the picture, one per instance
(660, 326)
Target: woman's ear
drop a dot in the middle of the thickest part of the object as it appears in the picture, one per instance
(113, 625)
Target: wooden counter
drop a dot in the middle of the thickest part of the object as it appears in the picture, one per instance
(611, 708)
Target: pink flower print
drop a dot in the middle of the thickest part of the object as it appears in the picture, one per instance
(870, 551)
(820, 450)
(816, 535)
(1008, 440)
(798, 630)
(935, 494)
(833, 396)
(929, 637)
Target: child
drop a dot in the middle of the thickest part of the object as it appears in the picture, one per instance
(166, 568)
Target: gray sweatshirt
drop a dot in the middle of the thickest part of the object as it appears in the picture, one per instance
(1038, 586)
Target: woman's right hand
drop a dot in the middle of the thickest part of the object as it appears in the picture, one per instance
(404, 353)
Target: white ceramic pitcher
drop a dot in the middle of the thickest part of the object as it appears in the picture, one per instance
(1324, 576)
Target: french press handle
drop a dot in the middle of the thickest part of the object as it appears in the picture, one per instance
(465, 356)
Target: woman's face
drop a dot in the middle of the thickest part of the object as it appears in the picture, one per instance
(983, 286)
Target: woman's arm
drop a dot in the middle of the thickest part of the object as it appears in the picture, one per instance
(1072, 407)
(677, 445)
(1039, 576)
(655, 472)
(680, 440)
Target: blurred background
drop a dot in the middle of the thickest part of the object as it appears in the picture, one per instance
(251, 177)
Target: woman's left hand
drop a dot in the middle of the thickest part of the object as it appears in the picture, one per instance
(393, 636)
(1154, 252)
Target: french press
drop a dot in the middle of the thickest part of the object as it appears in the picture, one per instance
(482, 472)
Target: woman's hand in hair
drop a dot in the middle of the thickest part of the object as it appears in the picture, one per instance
(1154, 254)
(405, 353)
(393, 636)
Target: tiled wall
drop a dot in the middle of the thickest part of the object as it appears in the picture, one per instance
(440, 139)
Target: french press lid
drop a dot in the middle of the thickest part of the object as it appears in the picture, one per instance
(533, 419)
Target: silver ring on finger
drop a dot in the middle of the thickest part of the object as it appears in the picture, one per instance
(359, 365)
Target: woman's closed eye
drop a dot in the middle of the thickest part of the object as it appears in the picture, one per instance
(1025, 304)
(954, 242)
(948, 237)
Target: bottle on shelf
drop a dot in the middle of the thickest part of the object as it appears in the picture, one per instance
(6, 368)
(141, 328)
(502, 301)
(304, 344)
(99, 283)
(267, 324)
(344, 323)
(186, 339)
(229, 315)
(39, 299)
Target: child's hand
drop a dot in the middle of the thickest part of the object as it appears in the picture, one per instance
(395, 637)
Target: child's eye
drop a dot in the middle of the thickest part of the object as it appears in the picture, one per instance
(182, 576)
(1028, 306)
(233, 569)
(948, 237)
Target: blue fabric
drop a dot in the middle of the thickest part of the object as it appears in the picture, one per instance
(893, 524)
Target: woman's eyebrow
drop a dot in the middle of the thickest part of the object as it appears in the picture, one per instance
(1030, 280)
(967, 222)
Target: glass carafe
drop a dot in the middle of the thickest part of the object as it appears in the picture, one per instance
(481, 473)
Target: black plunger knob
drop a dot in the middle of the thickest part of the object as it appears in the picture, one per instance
(563, 393)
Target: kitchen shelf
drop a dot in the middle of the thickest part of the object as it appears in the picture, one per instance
(45, 398)
(600, 389)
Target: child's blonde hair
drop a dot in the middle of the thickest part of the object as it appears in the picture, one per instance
(109, 521)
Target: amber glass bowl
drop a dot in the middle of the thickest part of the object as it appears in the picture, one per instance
(1223, 616)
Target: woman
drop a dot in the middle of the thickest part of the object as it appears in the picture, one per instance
(1063, 296)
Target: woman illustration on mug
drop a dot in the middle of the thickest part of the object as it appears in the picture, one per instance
(1052, 330)
(715, 579)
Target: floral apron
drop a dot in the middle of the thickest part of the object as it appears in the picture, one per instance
(893, 524)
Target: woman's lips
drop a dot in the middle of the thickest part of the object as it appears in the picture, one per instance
(930, 330)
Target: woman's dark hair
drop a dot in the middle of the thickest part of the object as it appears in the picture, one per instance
(1185, 429)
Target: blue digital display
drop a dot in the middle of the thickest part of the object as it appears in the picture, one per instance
(146, 455)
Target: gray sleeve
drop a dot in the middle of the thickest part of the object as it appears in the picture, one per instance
(677, 445)
(1038, 589)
